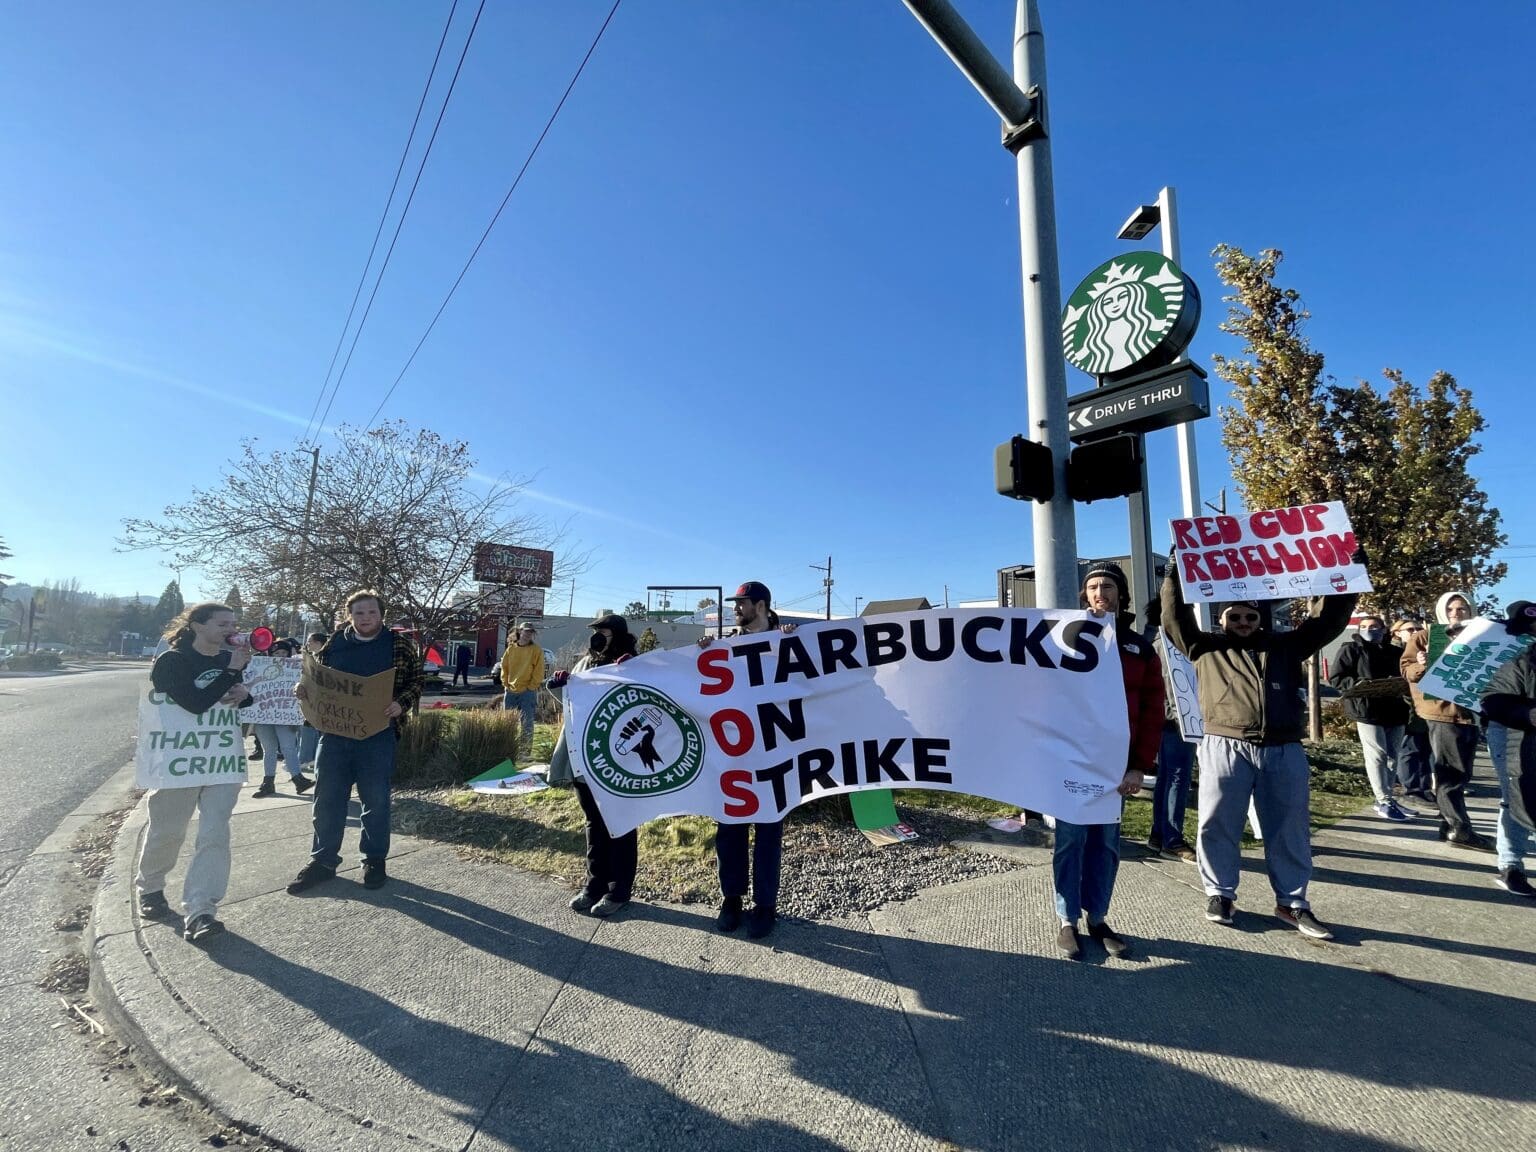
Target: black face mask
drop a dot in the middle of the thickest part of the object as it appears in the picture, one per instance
(597, 644)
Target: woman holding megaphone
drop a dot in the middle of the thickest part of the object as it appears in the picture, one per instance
(199, 671)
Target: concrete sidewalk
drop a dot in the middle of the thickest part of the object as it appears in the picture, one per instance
(464, 1006)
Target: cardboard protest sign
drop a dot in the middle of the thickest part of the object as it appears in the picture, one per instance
(1025, 706)
(1271, 555)
(342, 704)
(271, 680)
(181, 749)
(1183, 690)
(1469, 661)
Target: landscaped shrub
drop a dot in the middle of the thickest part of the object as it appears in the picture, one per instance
(42, 661)
(443, 746)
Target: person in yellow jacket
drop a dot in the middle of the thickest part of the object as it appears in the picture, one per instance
(522, 671)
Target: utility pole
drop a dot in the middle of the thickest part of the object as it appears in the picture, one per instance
(298, 579)
(826, 583)
(1021, 103)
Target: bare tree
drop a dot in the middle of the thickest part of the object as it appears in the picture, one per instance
(396, 509)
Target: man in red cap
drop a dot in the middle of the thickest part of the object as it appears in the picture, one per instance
(752, 603)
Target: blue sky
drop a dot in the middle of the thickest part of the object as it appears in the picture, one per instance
(757, 299)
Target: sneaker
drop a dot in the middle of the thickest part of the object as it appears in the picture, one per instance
(1396, 813)
(1471, 841)
(1179, 852)
(1113, 943)
(202, 926)
(607, 906)
(374, 875)
(267, 787)
(582, 902)
(1382, 809)
(310, 875)
(1155, 843)
(761, 919)
(729, 918)
(1218, 910)
(152, 906)
(302, 784)
(1513, 880)
(1068, 942)
(1304, 922)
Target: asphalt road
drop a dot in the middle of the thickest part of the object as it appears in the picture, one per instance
(62, 738)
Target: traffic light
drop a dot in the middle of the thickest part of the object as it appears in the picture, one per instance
(1105, 469)
(1023, 470)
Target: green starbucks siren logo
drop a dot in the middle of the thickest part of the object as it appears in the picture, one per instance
(638, 742)
(1137, 311)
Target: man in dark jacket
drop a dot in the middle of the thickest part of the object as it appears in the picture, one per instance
(1379, 719)
(1087, 856)
(1250, 682)
(1510, 700)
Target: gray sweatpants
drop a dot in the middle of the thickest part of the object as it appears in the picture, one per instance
(1276, 777)
(170, 811)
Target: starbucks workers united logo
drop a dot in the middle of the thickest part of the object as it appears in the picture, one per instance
(1137, 311)
(639, 742)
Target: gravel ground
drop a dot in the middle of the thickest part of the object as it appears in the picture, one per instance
(829, 868)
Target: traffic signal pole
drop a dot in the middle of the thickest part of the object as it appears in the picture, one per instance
(1020, 102)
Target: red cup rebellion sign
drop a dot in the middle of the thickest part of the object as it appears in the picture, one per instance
(509, 564)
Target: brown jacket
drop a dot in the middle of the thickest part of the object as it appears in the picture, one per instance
(1441, 710)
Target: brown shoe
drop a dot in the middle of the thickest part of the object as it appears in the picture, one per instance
(1068, 942)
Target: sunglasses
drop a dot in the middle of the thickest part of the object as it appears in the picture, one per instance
(1243, 617)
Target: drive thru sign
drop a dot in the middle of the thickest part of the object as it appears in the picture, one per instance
(1159, 399)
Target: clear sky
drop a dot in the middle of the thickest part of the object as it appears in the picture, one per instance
(757, 299)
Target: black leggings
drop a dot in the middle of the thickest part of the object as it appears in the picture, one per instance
(611, 860)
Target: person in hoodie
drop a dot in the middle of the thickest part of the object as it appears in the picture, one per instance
(1379, 720)
(198, 671)
(1452, 730)
(611, 860)
(1087, 856)
(1509, 703)
(1251, 685)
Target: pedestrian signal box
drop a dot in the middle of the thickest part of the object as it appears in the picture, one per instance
(1023, 470)
(1105, 469)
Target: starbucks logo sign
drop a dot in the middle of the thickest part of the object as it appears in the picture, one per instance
(1137, 311)
(639, 742)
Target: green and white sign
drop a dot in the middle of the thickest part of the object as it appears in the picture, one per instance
(1135, 312)
(639, 742)
(181, 749)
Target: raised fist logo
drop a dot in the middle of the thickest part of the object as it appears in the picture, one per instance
(639, 736)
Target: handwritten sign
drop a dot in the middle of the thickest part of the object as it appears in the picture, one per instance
(1469, 661)
(271, 680)
(1183, 690)
(181, 749)
(342, 704)
(1272, 555)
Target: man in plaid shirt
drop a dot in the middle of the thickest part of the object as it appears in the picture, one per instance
(363, 648)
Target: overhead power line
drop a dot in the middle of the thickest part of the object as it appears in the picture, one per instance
(383, 218)
(534, 151)
(404, 212)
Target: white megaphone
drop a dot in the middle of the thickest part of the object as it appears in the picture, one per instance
(257, 639)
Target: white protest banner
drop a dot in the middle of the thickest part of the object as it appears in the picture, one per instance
(181, 749)
(1025, 706)
(1271, 555)
(1469, 661)
(1183, 690)
(271, 680)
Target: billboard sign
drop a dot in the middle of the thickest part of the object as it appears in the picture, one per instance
(509, 564)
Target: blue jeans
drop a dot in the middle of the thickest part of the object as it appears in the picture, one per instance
(524, 702)
(1413, 763)
(767, 855)
(309, 742)
(341, 765)
(1086, 860)
(274, 737)
(1275, 776)
(1513, 841)
(1170, 795)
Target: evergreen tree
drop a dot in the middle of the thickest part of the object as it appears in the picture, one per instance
(169, 606)
(236, 604)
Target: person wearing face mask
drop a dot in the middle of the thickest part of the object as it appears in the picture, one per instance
(1452, 730)
(1251, 682)
(1379, 720)
(611, 860)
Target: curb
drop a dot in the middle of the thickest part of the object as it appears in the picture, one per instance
(127, 988)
